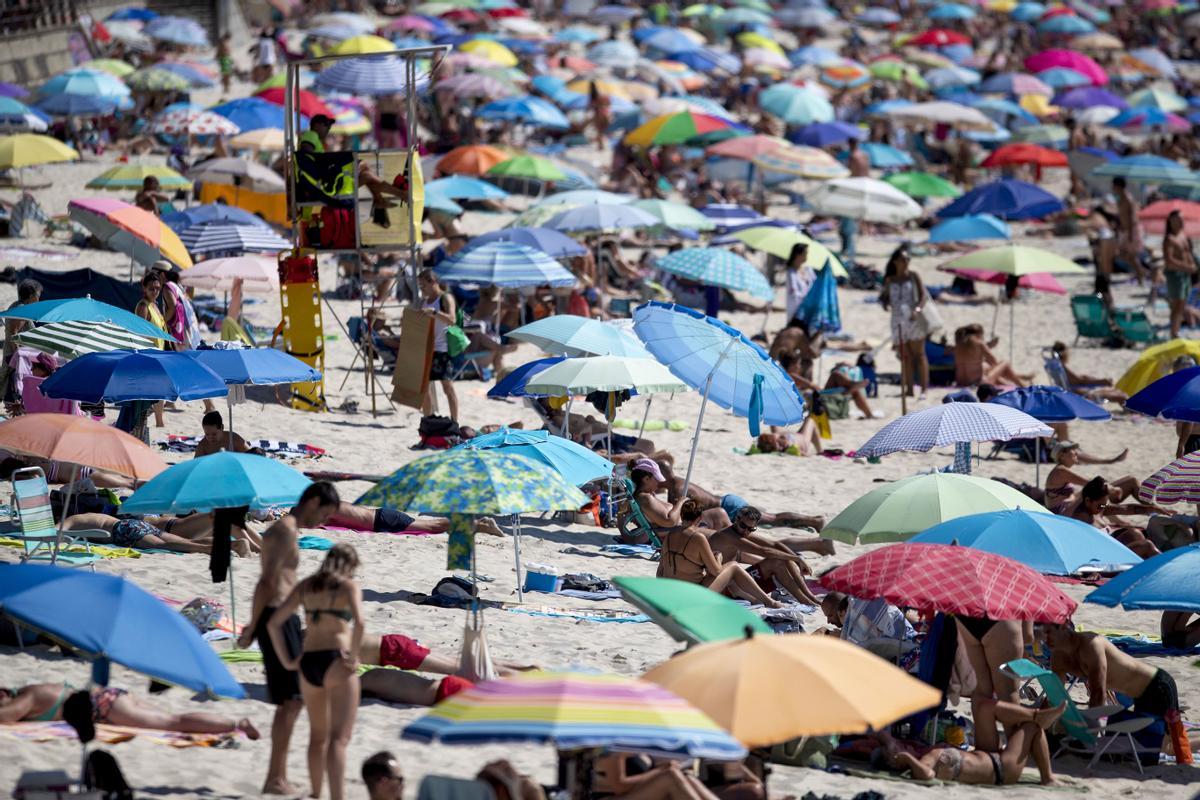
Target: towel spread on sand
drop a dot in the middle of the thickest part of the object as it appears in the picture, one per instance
(594, 616)
(114, 734)
(186, 444)
(101, 550)
(1142, 646)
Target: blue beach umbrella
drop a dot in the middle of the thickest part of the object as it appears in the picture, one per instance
(574, 462)
(1175, 396)
(120, 376)
(713, 266)
(951, 78)
(189, 73)
(134, 14)
(226, 237)
(258, 366)
(569, 335)
(670, 41)
(177, 30)
(253, 113)
(513, 384)
(814, 55)
(707, 60)
(1048, 543)
(1146, 169)
(730, 215)
(465, 187)
(970, 228)
(819, 311)
(613, 52)
(85, 309)
(1006, 199)
(111, 620)
(602, 217)
(878, 16)
(526, 109)
(211, 212)
(1063, 78)
(882, 156)
(221, 480)
(367, 75)
(1053, 404)
(824, 134)
(952, 11)
(577, 35)
(550, 242)
(1166, 582)
(1066, 24)
(722, 363)
(436, 201)
(504, 264)
(1027, 12)
(1082, 97)
(83, 91)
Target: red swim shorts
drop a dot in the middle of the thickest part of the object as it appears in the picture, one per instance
(450, 686)
(400, 651)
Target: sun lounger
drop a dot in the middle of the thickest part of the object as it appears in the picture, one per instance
(43, 540)
(1089, 732)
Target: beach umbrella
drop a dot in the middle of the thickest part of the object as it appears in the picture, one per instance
(108, 620)
(1052, 404)
(938, 37)
(795, 105)
(1024, 153)
(1013, 259)
(845, 74)
(688, 612)
(506, 264)
(84, 309)
(224, 237)
(948, 78)
(550, 242)
(265, 139)
(69, 439)
(601, 217)
(12, 90)
(670, 40)
(1165, 582)
(713, 266)
(82, 91)
(1177, 482)
(1049, 59)
(210, 212)
(826, 134)
(952, 11)
(195, 74)
(1154, 363)
(877, 16)
(676, 129)
(1049, 135)
(810, 18)
(1066, 25)
(222, 480)
(130, 230)
(177, 30)
(731, 215)
(462, 187)
(16, 117)
(526, 109)
(1157, 59)
(1006, 199)
(814, 55)
(1096, 115)
(574, 462)
(883, 156)
(363, 44)
(1154, 216)
(970, 228)
(513, 384)
(584, 375)
(819, 310)
(922, 184)
(951, 423)
(121, 376)
(1049, 543)
(864, 199)
(252, 113)
(769, 689)
(944, 112)
(569, 335)
(1159, 98)
(471, 160)
(675, 215)
(721, 362)
(529, 168)
(1148, 119)
(492, 50)
(154, 79)
(257, 274)
(952, 579)
(1017, 84)
(1027, 12)
(196, 122)
(258, 366)
(576, 711)
(801, 161)
(308, 103)
(238, 172)
(367, 76)
(131, 176)
(780, 241)
(896, 71)
(583, 197)
(1174, 396)
(1063, 78)
(1145, 169)
(1082, 97)
(613, 52)
(73, 339)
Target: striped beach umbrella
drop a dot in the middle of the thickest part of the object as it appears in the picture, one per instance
(504, 264)
(131, 176)
(713, 266)
(370, 75)
(576, 711)
(676, 129)
(76, 338)
(803, 162)
(231, 239)
(950, 423)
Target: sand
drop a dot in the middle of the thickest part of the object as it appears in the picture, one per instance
(393, 565)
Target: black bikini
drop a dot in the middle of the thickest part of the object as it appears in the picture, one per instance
(977, 626)
(315, 663)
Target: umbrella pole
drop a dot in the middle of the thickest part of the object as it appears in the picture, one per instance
(904, 379)
(232, 599)
(1037, 461)
(516, 522)
(687, 481)
(646, 416)
(1012, 313)
(229, 408)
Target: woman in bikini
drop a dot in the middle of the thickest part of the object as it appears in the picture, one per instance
(328, 665)
(990, 644)
(687, 556)
(1063, 483)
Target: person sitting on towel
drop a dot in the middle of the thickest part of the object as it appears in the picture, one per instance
(216, 438)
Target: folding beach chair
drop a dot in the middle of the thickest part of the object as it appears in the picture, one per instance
(42, 539)
(632, 521)
(1089, 729)
(1091, 317)
(1135, 326)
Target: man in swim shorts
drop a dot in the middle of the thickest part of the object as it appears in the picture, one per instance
(390, 520)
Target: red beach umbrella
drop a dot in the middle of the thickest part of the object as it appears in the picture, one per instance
(939, 37)
(310, 104)
(1011, 155)
(1154, 216)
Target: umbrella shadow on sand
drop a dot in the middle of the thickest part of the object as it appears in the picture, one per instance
(550, 531)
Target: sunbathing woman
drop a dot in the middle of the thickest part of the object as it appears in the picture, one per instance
(43, 702)
(975, 363)
(1090, 386)
(687, 556)
(987, 768)
(1063, 483)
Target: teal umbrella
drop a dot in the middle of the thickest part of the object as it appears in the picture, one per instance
(713, 266)
(576, 463)
(795, 105)
(690, 613)
(819, 311)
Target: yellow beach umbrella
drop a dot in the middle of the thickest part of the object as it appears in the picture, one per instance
(1002, 6)
(780, 241)
(768, 689)
(1155, 362)
(751, 39)
(361, 45)
(31, 149)
(270, 139)
(603, 87)
(492, 51)
(124, 177)
(1038, 105)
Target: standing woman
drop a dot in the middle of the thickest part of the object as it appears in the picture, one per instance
(441, 307)
(328, 665)
(904, 295)
(799, 279)
(1180, 264)
(147, 309)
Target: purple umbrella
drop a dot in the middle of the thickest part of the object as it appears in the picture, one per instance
(824, 134)
(1088, 96)
(12, 90)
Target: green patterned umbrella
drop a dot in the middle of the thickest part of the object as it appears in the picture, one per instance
(713, 266)
(152, 79)
(76, 338)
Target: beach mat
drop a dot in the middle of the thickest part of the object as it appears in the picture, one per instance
(594, 616)
(114, 734)
(1141, 646)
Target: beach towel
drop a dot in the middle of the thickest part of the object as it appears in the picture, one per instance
(608, 594)
(101, 550)
(310, 542)
(632, 550)
(113, 734)
(1141, 646)
(175, 443)
(595, 616)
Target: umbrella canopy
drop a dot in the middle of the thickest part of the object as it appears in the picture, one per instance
(576, 711)
(602, 217)
(223, 480)
(884, 156)
(123, 375)
(943, 112)
(153, 79)
(676, 215)
(238, 172)
(1177, 482)
(1048, 543)
(225, 237)
(574, 462)
(471, 160)
(469, 481)
(551, 242)
(177, 30)
(690, 613)
(1175, 396)
(1082, 97)
(570, 335)
(527, 110)
(710, 356)
(804, 162)
(193, 121)
(74, 339)
(922, 185)
(1052, 404)
(501, 263)
(259, 366)
(179, 221)
(952, 579)
(578, 376)
(130, 230)
(79, 440)
(795, 105)
(1154, 216)
(1145, 169)
(529, 167)
(131, 176)
(1006, 199)
(363, 44)
(970, 228)
(85, 309)
(83, 91)
(1154, 363)
(1013, 259)
(369, 76)
(676, 129)
(713, 266)
(257, 274)
(864, 199)
(1024, 153)
(252, 113)
(463, 187)
(1166, 582)
(111, 620)
(780, 241)
(898, 510)
(949, 423)
(769, 689)
(513, 384)
(1049, 59)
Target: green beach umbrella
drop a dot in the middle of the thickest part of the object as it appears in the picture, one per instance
(1048, 135)
(676, 215)
(1015, 259)
(690, 613)
(152, 79)
(276, 81)
(780, 241)
(528, 167)
(703, 10)
(112, 66)
(897, 72)
(922, 184)
(900, 510)
(131, 176)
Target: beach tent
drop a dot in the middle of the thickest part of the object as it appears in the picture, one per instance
(83, 283)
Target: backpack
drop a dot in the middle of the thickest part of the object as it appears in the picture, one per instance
(337, 229)
(102, 773)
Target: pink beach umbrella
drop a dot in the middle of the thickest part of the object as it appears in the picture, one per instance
(1038, 281)
(410, 23)
(1070, 59)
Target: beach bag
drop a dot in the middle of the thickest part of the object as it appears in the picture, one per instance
(337, 229)
(456, 338)
(837, 405)
(101, 773)
(475, 662)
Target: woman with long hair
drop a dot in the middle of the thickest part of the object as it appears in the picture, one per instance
(905, 296)
(328, 665)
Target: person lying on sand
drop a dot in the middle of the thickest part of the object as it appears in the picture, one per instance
(610, 777)
(687, 556)
(1092, 387)
(769, 562)
(61, 472)
(192, 534)
(389, 520)
(1026, 726)
(806, 441)
(43, 702)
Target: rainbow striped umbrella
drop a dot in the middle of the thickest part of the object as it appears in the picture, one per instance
(576, 711)
(676, 129)
(803, 162)
(129, 230)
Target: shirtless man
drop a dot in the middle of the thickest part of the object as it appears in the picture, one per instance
(1129, 240)
(857, 161)
(1026, 725)
(193, 534)
(400, 685)
(1178, 631)
(767, 559)
(216, 438)
(389, 520)
(280, 558)
(975, 363)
